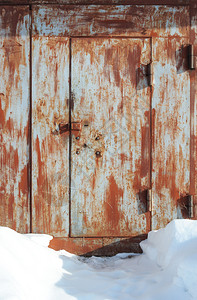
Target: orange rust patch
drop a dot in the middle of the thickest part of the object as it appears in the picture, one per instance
(113, 196)
(145, 151)
(123, 158)
(43, 198)
(23, 184)
(2, 115)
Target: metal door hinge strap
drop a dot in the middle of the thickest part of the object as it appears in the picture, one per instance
(191, 206)
(149, 200)
(191, 57)
(150, 74)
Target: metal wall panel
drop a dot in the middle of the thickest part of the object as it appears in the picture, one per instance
(111, 97)
(171, 130)
(50, 161)
(14, 117)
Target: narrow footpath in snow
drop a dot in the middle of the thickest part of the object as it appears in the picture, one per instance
(167, 269)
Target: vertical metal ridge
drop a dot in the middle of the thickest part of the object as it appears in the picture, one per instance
(151, 139)
(192, 77)
(30, 117)
(70, 136)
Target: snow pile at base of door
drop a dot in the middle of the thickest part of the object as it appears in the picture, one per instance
(167, 269)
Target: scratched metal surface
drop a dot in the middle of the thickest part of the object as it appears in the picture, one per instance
(171, 129)
(50, 161)
(14, 117)
(112, 99)
(110, 20)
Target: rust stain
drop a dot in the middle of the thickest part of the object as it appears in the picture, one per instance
(78, 246)
(42, 198)
(98, 246)
(153, 128)
(112, 58)
(128, 20)
(2, 115)
(137, 179)
(11, 17)
(145, 148)
(111, 206)
(24, 183)
(134, 55)
(124, 158)
(11, 209)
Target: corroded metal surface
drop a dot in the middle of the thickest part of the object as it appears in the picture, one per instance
(14, 117)
(171, 129)
(98, 246)
(193, 110)
(109, 2)
(50, 167)
(112, 97)
(110, 93)
(110, 20)
(89, 65)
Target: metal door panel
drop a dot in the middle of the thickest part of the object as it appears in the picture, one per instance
(50, 161)
(171, 130)
(14, 117)
(111, 96)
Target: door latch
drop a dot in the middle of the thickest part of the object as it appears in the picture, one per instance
(66, 127)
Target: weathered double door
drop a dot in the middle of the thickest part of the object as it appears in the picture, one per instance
(91, 136)
(91, 82)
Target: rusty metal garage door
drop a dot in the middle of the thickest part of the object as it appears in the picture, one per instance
(89, 138)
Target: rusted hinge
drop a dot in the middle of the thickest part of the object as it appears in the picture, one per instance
(65, 127)
(149, 74)
(186, 204)
(149, 199)
(191, 206)
(191, 57)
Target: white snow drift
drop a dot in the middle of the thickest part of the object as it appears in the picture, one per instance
(167, 269)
